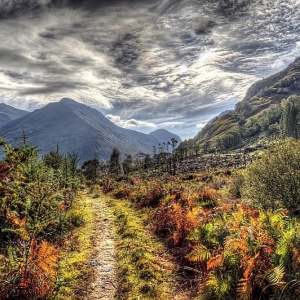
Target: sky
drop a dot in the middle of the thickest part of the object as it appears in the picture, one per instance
(144, 64)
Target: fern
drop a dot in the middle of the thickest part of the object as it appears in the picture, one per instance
(275, 278)
(276, 275)
(243, 289)
(199, 254)
(11, 256)
(47, 258)
(217, 287)
(283, 250)
(214, 262)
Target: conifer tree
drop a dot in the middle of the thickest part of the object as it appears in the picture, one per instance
(115, 166)
(91, 169)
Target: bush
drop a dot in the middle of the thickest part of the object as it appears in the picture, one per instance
(274, 180)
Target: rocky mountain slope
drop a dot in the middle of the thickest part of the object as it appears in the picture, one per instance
(76, 127)
(9, 113)
(257, 115)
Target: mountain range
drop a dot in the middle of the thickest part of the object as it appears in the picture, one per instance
(73, 127)
(76, 127)
(8, 113)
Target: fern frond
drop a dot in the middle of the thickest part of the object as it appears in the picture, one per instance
(236, 245)
(212, 281)
(276, 275)
(214, 262)
(243, 289)
(11, 256)
(250, 265)
(45, 257)
(199, 254)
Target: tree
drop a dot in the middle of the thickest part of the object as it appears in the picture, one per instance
(206, 147)
(196, 148)
(174, 143)
(32, 207)
(128, 164)
(91, 169)
(274, 180)
(115, 166)
(291, 116)
(53, 159)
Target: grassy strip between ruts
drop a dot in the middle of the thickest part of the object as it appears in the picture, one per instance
(144, 272)
(73, 270)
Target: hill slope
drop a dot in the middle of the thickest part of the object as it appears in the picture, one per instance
(76, 127)
(9, 113)
(258, 115)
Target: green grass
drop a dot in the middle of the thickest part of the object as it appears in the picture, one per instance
(143, 270)
(73, 270)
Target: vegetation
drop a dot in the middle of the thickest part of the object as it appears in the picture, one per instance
(224, 247)
(91, 170)
(115, 166)
(218, 234)
(73, 272)
(273, 181)
(143, 270)
(291, 117)
(37, 213)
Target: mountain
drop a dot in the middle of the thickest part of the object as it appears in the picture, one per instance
(164, 135)
(76, 127)
(9, 113)
(257, 116)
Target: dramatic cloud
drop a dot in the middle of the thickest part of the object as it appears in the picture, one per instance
(175, 64)
(132, 123)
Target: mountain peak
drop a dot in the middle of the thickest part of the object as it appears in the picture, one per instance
(164, 135)
(76, 127)
(68, 101)
(3, 105)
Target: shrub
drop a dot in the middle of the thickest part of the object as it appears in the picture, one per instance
(236, 185)
(153, 197)
(274, 180)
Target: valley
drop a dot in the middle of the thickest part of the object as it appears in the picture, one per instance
(149, 150)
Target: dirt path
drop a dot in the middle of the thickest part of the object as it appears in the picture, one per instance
(104, 283)
(105, 279)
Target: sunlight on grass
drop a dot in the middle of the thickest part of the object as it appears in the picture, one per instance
(143, 271)
(73, 270)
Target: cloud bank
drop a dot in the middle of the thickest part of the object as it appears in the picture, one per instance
(173, 64)
(132, 123)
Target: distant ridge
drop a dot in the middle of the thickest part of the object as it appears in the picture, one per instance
(76, 127)
(9, 113)
(165, 136)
